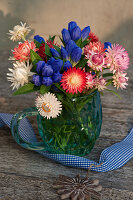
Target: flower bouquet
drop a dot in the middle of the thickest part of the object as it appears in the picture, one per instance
(68, 80)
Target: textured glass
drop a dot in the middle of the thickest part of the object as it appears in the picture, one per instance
(74, 131)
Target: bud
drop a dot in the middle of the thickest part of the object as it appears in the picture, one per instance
(54, 53)
(37, 80)
(39, 39)
(76, 33)
(40, 66)
(64, 53)
(57, 77)
(107, 44)
(50, 61)
(76, 54)
(66, 35)
(47, 70)
(71, 26)
(57, 65)
(47, 81)
(70, 46)
(85, 33)
(67, 65)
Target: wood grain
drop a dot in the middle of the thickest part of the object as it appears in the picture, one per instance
(27, 175)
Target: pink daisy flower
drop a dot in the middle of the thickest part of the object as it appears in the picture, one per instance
(22, 52)
(117, 58)
(120, 80)
(95, 47)
(90, 83)
(100, 83)
(95, 53)
(74, 80)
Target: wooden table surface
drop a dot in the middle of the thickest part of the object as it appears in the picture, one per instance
(27, 175)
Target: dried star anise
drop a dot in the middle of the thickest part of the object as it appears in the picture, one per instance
(77, 188)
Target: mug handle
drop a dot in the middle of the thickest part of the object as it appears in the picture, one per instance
(15, 122)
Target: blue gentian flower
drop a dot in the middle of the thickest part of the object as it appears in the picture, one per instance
(37, 80)
(57, 65)
(47, 81)
(40, 66)
(66, 35)
(47, 70)
(107, 44)
(75, 33)
(57, 77)
(50, 61)
(54, 53)
(71, 26)
(85, 33)
(64, 53)
(67, 65)
(39, 39)
(76, 54)
(70, 46)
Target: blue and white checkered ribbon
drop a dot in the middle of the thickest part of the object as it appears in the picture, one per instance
(111, 158)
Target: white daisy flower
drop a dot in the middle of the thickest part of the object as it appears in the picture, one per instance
(48, 105)
(11, 58)
(19, 32)
(19, 74)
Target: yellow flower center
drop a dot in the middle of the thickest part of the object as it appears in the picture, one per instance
(74, 80)
(46, 107)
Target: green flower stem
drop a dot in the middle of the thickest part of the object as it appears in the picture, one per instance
(23, 38)
(81, 122)
(62, 142)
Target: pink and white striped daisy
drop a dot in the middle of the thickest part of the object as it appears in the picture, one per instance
(117, 58)
(100, 83)
(120, 80)
(95, 54)
(90, 81)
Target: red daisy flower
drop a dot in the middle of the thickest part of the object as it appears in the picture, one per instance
(93, 37)
(22, 52)
(41, 51)
(73, 80)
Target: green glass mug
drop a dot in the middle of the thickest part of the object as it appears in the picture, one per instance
(73, 132)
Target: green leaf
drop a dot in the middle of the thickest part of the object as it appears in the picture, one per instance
(85, 42)
(114, 93)
(38, 44)
(101, 93)
(47, 50)
(61, 89)
(107, 74)
(29, 87)
(109, 82)
(62, 41)
(35, 58)
(79, 42)
(82, 63)
(60, 96)
(44, 89)
(57, 48)
(51, 38)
